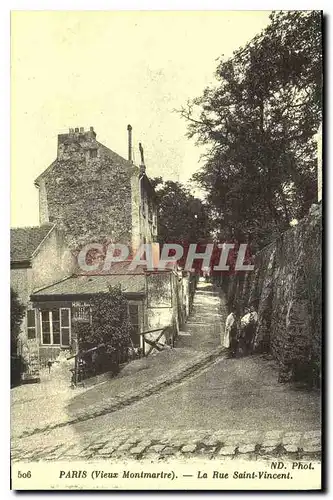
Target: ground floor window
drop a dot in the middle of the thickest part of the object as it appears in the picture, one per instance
(55, 326)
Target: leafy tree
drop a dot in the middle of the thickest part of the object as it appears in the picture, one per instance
(260, 121)
(110, 320)
(16, 315)
(181, 216)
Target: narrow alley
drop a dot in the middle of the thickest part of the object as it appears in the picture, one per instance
(205, 325)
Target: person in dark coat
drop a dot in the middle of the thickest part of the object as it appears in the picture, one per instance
(248, 327)
(49, 364)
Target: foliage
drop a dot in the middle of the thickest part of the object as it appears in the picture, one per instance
(17, 310)
(110, 320)
(181, 216)
(83, 332)
(260, 121)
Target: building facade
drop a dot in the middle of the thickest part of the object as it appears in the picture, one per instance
(39, 257)
(89, 195)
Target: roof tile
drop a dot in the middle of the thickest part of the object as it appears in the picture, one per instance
(25, 240)
(86, 285)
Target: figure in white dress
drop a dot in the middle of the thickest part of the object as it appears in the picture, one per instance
(230, 322)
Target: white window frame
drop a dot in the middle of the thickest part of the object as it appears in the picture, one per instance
(41, 328)
(51, 327)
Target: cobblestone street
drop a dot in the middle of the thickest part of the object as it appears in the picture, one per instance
(209, 405)
(159, 444)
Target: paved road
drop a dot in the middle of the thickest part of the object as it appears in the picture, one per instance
(235, 405)
(231, 394)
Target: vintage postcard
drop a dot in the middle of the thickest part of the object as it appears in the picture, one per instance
(166, 243)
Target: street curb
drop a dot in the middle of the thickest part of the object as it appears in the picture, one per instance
(123, 400)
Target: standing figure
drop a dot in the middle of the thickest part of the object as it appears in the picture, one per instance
(225, 338)
(247, 331)
(230, 333)
(49, 364)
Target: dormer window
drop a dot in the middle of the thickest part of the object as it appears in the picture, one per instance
(93, 153)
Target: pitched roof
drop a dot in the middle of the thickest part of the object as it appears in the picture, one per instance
(87, 285)
(45, 171)
(115, 158)
(121, 267)
(24, 241)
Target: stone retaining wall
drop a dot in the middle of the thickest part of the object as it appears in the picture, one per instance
(285, 288)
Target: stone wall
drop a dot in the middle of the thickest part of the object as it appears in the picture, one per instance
(285, 289)
(21, 282)
(53, 262)
(168, 304)
(161, 308)
(90, 198)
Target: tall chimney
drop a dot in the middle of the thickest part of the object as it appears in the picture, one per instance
(129, 129)
(141, 154)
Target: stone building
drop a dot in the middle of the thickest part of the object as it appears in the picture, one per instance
(95, 195)
(90, 195)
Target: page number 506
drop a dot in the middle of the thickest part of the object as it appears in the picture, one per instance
(24, 475)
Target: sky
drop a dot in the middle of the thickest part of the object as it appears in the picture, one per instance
(108, 69)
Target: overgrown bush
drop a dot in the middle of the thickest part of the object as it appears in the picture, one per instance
(16, 315)
(110, 320)
(109, 331)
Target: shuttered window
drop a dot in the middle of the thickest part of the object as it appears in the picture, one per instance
(31, 324)
(65, 326)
